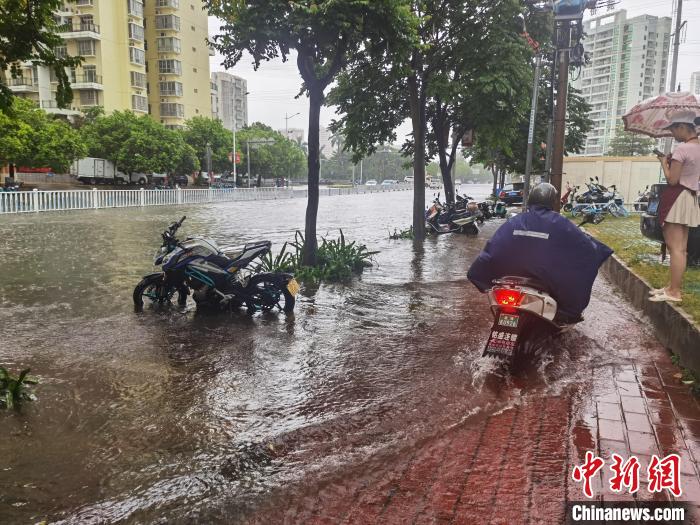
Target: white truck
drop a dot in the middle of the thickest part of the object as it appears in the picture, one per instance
(91, 170)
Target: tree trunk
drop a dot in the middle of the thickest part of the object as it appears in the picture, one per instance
(442, 136)
(502, 178)
(310, 241)
(494, 172)
(417, 103)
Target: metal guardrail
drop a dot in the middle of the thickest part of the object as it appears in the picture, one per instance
(63, 200)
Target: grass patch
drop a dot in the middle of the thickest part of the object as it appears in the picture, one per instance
(337, 260)
(643, 256)
(403, 234)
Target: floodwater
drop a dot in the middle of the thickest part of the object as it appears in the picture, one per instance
(167, 416)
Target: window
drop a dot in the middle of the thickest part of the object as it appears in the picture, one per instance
(169, 3)
(135, 32)
(60, 52)
(168, 22)
(138, 79)
(88, 98)
(171, 88)
(83, 2)
(169, 45)
(137, 56)
(169, 109)
(89, 74)
(172, 67)
(136, 8)
(86, 48)
(87, 23)
(139, 103)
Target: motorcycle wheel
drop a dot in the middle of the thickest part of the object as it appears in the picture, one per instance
(152, 288)
(266, 294)
(567, 207)
(470, 229)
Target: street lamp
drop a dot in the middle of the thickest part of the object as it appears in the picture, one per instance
(286, 123)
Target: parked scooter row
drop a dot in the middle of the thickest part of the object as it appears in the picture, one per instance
(462, 216)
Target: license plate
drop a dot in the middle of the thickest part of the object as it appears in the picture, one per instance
(293, 287)
(511, 321)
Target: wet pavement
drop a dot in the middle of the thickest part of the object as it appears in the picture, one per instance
(371, 404)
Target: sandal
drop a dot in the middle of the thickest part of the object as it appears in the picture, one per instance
(657, 291)
(664, 297)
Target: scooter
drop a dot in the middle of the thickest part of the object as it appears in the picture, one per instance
(642, 201)
(524, 316)
(441, 219)
(568, 199)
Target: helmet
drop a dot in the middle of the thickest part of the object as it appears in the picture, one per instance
(544, 194)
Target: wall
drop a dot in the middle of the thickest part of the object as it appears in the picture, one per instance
(629, 174)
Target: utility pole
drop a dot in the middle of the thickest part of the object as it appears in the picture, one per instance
(235, 179)
(286, 123)
(674, 62)
(531, 131)
(563, 36)
(550, 123)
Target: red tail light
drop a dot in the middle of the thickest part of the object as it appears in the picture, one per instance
(508, 298)
(502, 194)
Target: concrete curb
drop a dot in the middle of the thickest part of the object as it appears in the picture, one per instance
(674, 328)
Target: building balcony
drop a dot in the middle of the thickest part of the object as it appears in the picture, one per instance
(80, 31)
(22, 85)
(167, 4)
(87, 82)
(50, 106)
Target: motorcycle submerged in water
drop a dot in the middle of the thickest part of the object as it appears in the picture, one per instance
(524, 317)
(217, 279)
(441, 218)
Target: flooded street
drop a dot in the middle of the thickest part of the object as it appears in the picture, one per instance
(168, 416)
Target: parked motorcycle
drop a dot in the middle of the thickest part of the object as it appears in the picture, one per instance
(642, 201)
(441, 218)
(216, 278)
(569, 198)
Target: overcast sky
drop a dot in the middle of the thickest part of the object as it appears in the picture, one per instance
(273, 87)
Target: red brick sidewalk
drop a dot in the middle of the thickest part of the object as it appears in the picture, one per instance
(515, 466)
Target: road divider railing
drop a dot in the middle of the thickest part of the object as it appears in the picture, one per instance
(64, 200)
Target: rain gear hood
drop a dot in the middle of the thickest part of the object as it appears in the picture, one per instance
(543, 245)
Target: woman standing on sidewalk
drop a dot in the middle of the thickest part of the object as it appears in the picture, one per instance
(678, 210)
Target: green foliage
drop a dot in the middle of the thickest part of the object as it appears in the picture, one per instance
(403, 234)
(13, 389)
(626, 144)
(30, 137)
(138, 144)
(284, 158)
(338, 260)
(323, 33)
(200, 131)
(28, 32)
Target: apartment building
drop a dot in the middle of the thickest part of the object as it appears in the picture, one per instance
(178, 60)
(229, 99)
(151, 60)
(695, 83)
(628, 63)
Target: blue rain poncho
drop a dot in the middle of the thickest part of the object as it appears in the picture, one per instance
(543, 245)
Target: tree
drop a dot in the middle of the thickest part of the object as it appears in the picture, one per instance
(28, 32)
(283, 158)
(626, 144)
(322, 33)
(466, 71)
(139, 144)
(200, 131)
(33, 138)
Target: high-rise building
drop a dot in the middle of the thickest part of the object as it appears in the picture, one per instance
(628, 63)
(229, 99)
(695, 83)
(152, 60)
(295, 134)
(326, 142)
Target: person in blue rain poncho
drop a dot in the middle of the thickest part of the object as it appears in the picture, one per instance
(543, 245)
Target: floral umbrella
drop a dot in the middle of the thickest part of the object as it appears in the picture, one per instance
(652, 115)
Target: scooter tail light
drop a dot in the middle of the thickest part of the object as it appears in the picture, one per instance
(508, 298)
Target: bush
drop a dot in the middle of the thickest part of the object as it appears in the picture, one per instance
(13, 389)
(337, 259)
